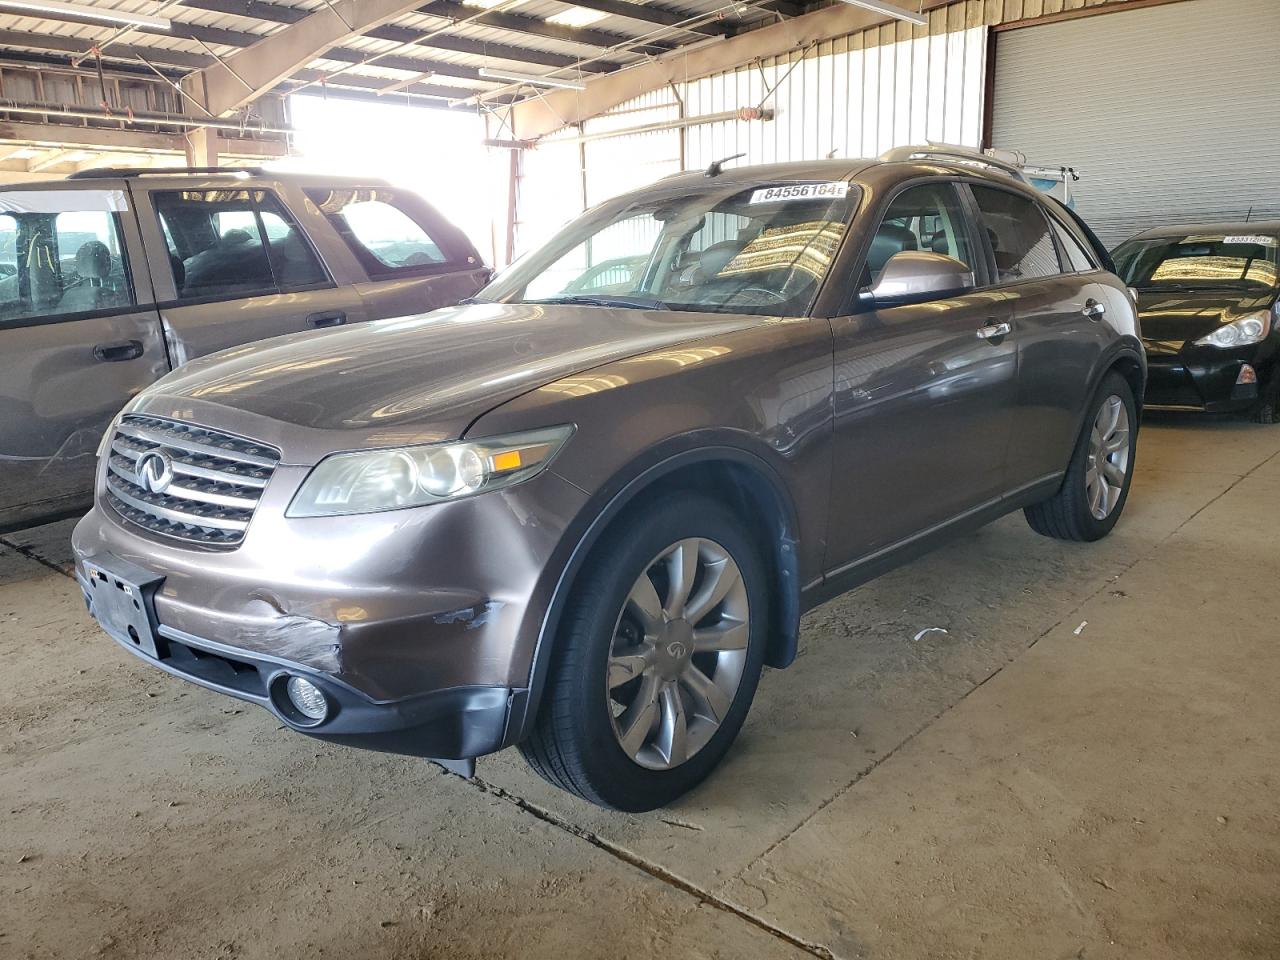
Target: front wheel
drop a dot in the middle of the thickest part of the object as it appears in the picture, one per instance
(1096, 484)
(657, 660)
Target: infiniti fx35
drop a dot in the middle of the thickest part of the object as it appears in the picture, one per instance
(581, 513)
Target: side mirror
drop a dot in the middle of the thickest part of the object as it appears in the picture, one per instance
(914, 276)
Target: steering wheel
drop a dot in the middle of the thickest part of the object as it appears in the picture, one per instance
(774, 295)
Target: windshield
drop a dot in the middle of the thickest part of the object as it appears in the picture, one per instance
(1200, 261)
(722, 248)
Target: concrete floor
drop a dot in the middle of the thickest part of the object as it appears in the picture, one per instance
(1082, 766)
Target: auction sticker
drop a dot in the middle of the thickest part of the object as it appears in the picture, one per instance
(1263, 241)
(802, 191)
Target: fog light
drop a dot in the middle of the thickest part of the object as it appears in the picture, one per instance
(1247, 375)
(307, 698)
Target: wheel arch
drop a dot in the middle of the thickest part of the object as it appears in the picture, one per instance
(757, 491)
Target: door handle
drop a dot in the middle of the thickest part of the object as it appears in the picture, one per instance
(118, 350)
(1093, 309)
(328, 318)
(994, 331)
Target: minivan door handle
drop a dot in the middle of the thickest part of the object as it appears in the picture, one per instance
(118, 350)
(994, 331)
(327, 318)
(1093, 309)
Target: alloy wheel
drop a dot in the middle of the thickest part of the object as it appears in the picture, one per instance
(1108, 463)
(678, 653)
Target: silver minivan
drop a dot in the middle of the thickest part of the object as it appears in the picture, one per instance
(110, 280)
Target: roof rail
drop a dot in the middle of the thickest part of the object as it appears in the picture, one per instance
(99, 173)
(952, 153)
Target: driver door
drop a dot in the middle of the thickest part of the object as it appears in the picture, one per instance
(924, 389)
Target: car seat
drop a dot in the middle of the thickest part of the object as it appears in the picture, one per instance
(93, 266)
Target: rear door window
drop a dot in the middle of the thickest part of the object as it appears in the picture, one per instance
(390, 231)
(1019, 235)
(226, 244)
(62, 253)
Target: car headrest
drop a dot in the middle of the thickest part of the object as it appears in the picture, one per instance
(717, 256)
(93, 260)
(235, 236)
(889, 239)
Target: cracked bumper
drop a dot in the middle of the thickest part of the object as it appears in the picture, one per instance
(420, 625)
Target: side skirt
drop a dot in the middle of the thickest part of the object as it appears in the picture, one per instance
(845, 578)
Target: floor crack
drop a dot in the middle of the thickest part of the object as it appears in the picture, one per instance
(35, 557)
(654, 870)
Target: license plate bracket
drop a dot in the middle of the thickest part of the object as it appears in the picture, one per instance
(120, 598)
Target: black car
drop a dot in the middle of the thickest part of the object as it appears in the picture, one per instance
(1207, 305)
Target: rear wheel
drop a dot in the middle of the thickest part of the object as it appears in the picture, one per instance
(1096, 484)
(657, 660)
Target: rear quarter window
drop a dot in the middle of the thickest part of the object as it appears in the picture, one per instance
(392, 232)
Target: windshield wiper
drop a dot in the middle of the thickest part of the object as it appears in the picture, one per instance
(606, 300)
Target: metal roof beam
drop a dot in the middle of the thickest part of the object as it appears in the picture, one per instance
(371, 84)
(119, 51)
(485, 48)
(658, 15)
(532, 26)
(254, 70)
(555, 109)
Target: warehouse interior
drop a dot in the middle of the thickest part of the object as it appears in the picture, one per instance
(1010, 746)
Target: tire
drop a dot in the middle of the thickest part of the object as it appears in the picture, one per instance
(607, 637)
(1267, 409)
(1072, 513)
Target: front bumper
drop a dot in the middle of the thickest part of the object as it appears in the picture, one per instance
(419, 625)
(1186, 377)
(456, 723)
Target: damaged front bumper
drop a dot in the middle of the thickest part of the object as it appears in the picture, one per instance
(452, 724)
(419, 626)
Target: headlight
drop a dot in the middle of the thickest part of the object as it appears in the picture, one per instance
(1239, 333)
(368, 481)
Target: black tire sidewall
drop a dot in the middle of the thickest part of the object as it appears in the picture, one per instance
(616, 564)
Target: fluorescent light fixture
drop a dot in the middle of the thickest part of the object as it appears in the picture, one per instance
(576, 17)
(84, 11)
(890, 10)
(490, 74)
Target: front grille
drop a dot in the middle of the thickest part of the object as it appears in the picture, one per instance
(216, 480)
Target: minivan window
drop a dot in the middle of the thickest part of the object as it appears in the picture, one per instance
(1078, 259)
(1210, 261)
(1019, 235)
(234, 243)
(62, 253)
(926, 217)
(377, 225)
(716, 247)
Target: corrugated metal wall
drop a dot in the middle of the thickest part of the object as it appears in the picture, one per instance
(854, 96)
(1201, 147)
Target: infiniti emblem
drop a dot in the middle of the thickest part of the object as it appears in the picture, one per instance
(154, 471)
(675, 649)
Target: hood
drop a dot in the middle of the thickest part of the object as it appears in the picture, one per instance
(416, 379)
(1176, 316)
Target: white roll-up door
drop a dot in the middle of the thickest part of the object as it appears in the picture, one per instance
(1171, 113)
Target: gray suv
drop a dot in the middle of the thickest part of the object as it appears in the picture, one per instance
(582, 513)
(108, 281)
